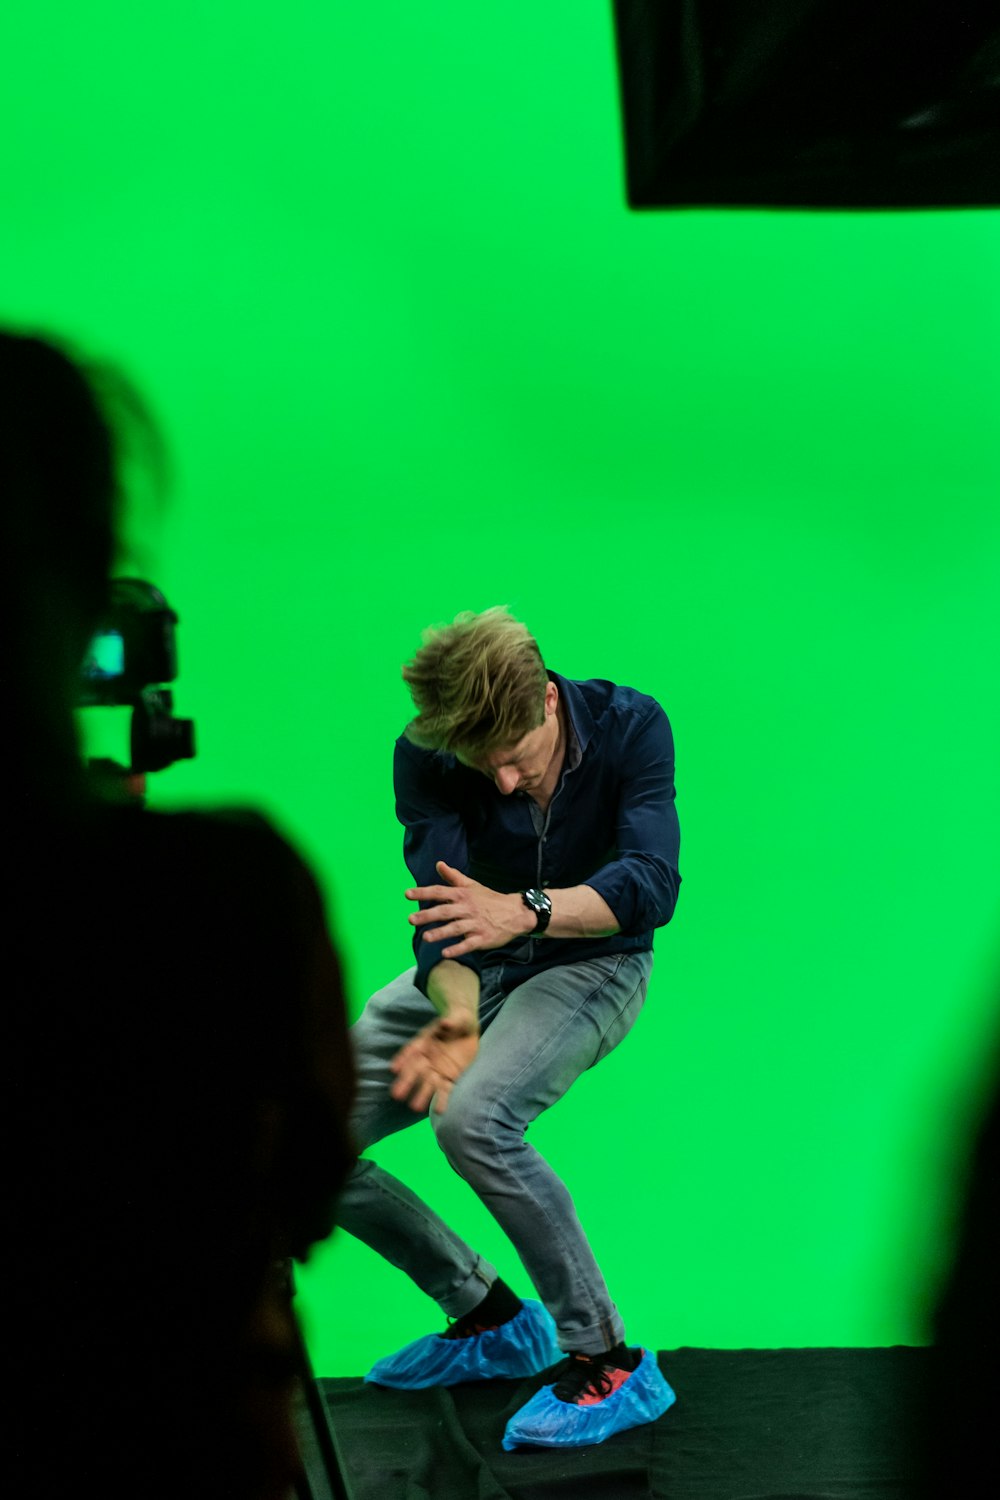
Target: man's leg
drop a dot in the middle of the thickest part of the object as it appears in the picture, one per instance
(516, 1339)
(377, 1207)
(546, 1033)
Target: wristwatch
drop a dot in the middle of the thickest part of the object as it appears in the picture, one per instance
(539, 903)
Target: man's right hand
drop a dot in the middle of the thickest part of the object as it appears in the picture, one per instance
(434, 1061)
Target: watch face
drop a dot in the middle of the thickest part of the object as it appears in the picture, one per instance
(540, 904)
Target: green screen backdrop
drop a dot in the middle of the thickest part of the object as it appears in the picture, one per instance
(412, 354)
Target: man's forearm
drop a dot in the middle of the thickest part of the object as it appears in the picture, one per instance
(470, 917)
(453, 989)
(579, 912)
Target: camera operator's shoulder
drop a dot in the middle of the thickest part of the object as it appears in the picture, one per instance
(222, 835)
(233, 863)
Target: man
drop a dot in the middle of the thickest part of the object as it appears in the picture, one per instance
(542, 837)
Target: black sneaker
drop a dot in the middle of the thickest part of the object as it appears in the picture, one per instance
(585, 1379)
(593, 1397)
(498, 1307)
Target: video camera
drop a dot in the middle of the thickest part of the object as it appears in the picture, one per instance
(131, 655)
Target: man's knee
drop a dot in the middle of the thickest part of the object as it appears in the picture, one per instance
(472, 1130)
(462, 1123)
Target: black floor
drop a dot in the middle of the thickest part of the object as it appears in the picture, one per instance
(748, 1424)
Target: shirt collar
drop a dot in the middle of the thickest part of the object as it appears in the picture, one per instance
(580, 721)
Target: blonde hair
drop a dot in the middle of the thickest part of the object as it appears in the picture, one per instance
(477, 684)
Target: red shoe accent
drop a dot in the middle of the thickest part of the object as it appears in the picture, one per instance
(591, 1398)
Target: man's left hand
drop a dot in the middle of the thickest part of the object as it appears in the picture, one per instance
(478, 917)
(429, 1067)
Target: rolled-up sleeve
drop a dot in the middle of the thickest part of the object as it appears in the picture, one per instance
(433, 830)
(641, 883)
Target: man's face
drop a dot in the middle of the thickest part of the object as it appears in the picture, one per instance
(522, 767)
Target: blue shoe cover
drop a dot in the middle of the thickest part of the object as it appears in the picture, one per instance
(522, 1346)
(547, 1422)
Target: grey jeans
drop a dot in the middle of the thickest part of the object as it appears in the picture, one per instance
(536, 1040)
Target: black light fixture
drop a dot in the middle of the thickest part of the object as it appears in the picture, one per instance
(810, 103)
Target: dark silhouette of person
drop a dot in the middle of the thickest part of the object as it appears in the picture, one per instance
(177, 1073)
(953, 1436)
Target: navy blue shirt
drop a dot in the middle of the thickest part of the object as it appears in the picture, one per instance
(611, 824)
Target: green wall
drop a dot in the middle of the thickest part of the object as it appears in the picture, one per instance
(412, 355)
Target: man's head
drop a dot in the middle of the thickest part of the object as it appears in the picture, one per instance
(57, 476)
(482, 693)
(69, 427)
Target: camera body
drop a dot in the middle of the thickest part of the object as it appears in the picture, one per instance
(131, 655)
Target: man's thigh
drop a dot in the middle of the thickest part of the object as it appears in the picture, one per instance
(549, 1030)
(392, 1017)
